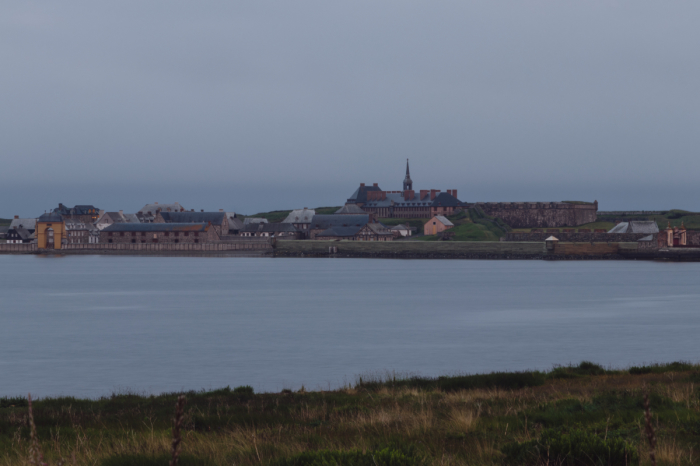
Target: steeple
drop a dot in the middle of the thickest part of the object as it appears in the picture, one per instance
(407, 182)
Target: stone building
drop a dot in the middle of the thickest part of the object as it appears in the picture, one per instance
(147, 213)
(78, 232)
(218, 220)
(301, 219)
(271, 230)
(437, 225)
(404, 204)
(348, 227)
(159, 233)
(541, 214)
(84, 213)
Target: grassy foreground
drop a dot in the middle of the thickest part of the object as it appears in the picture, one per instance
(582, 415)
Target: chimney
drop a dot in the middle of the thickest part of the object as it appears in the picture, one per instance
(156, 203)
(221, 210)
(192, 210)
(202, 210)
(383, 195)
(305, 208)
(362, 185)
(168, 209)
(454, 193)
(17, 216)
(121, 212)
(423, 193)
(433, 193)
(376, 185)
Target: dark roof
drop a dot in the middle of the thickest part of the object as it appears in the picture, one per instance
(446, 200)
(22, 232)
(77, 210)
(360, 194)
(50, 217)
(235, 223)
(349, 209)
(216, 218)
(146, 227)
(323, 222)
(341, 231)
(269, 228)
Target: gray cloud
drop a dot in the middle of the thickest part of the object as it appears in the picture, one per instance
(281, 104)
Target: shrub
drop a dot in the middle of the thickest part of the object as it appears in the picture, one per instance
(570, 372)
(504, 380)
(575, 448)
(385, 457)
(678, 366)
(17, 402)
(150, 460)
(244, 390)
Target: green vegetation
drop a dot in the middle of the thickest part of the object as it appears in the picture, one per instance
(574, 415)
(473, 225)
(691, 220)
(5, 222)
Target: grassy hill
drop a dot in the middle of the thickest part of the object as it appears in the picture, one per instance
(575, 415)
(4, 222)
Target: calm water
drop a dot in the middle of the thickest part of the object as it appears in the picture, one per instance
(88, 326)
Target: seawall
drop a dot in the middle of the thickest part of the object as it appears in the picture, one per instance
(255, 246)
(449, 250)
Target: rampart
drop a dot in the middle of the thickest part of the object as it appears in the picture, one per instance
(449, 250)
(540, 214)
(256, 245)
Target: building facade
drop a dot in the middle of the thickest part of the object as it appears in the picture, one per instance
(84, 213)
(159, 233)
(50, 231)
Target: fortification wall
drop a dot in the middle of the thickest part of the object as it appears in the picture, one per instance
(576, 237)
(541, 214)
(248, 245)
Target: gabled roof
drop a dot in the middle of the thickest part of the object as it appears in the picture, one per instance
(300, 216)
(22, 232)
(234, 223)
(446, 200)
(644, 226)
(118, 217)
(349, 209)
(323, 222)
(442, 219)
(28, 223)
(250, 220)
(400, 227)
(215, 218)
(155, 227)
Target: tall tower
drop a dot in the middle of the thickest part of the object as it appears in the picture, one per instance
(407, 182)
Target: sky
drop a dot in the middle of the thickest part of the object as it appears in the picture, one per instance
(263, 105)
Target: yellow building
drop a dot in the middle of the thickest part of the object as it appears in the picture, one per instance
(50, 231)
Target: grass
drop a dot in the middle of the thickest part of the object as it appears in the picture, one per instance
(472, 225)
(574, 415)
(5, 222)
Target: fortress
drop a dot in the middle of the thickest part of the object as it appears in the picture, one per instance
(427, 203)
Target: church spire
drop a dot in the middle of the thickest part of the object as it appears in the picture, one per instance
(407, 182)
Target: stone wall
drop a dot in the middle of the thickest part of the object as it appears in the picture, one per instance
(576, 237)
(540, 214)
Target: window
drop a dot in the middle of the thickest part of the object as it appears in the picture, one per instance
(167, 233)
(196, 233)
(187, 233)
(143, 233)
(133, 233)
(110, 234)
(121, 233)
(133, 240)
(109, 241)
(196, 241)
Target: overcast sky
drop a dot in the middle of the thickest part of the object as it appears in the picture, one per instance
(257, 105)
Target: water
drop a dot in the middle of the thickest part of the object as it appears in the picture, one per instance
(92, 325)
